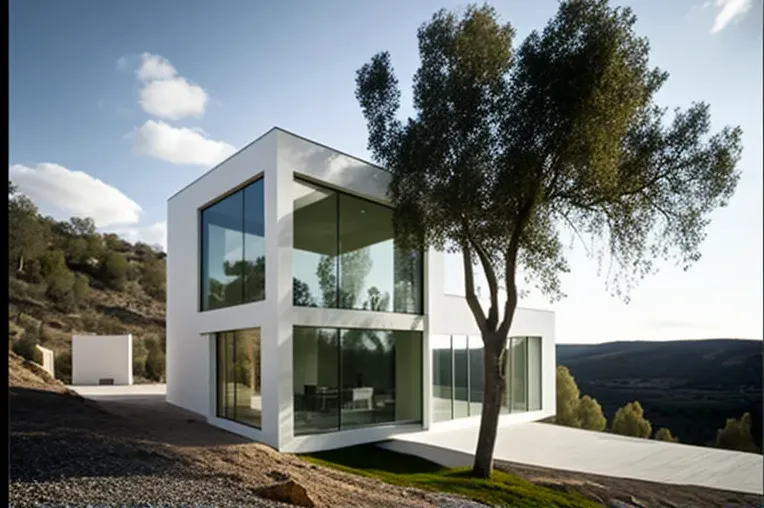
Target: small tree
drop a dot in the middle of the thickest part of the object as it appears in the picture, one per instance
(27, 235)
(664, 434)
(114, 268)
(590, 414)
(567, 399)
(155, 361)
(140, 355)
(506, 149)
(80, 289)
(153, 278)
(630, 421)
(736, 435)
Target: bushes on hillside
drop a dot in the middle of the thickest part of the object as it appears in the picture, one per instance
(630, 421)
(26, 347)
(736, 435)
(155, 361)
(664, 434)
(114, 270)
(574, 410)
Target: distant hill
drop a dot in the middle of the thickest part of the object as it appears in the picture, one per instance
(689, 386)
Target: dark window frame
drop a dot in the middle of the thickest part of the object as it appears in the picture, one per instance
(220, 411)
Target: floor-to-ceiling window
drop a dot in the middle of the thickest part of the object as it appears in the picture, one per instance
(442, 377)
(351, 378)
(345, 255)
(238, 376)
(233, 249)
(458, 370)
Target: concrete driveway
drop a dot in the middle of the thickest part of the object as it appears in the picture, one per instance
(552, 446)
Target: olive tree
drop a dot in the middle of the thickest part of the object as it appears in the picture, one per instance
(510, 149)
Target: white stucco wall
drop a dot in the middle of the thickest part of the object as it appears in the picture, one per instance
(48, 360)
(96, 357)
(279, 156)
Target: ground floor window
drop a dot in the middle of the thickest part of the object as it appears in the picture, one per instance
(457, 376)
(238, 376)
(353, 378)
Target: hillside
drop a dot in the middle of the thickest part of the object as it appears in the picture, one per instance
(65, 278)
(691, 387)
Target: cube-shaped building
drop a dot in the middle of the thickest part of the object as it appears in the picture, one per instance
(294, 319)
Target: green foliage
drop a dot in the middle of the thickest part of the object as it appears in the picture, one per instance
(573, 410)
(567, 398)
(27, 235)
(590, 414)
(60, 289)
(114, 270)
(81, 288)
(155, 361)
(63, 363)
(140, 353)
(664, 434)
(153, 278)
(26, 347)
(736, 435)
(501, 489)
(630, 421)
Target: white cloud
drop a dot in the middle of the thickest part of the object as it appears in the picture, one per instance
(179, 145)
(165, 94)
(729, 10)
(75, 193)
(155, 67)
(173, 99)
(154, 234)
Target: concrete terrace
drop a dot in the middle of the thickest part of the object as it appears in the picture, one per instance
(546, 445)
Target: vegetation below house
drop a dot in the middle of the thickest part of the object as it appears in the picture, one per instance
(66, 279)
(687, 390)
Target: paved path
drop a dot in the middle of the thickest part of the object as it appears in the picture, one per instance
(552, 446)
(96, 392)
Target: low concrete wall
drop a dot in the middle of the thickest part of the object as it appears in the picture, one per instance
(48, 360)
(96, 358)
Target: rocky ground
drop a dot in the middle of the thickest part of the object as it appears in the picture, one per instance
(70, 451)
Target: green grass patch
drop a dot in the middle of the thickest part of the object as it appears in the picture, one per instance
(502, 489)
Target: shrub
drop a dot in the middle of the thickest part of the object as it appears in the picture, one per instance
(589, 414)
(567, 398)
(630, 421)
(153, 279)
(140, 354)
(664, 434)
(81, 288)
(26, 347)
(736, 435)
(114, 270)
(63, 364)
(60, 288)
(155, 361)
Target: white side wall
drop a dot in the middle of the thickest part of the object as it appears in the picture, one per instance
(191, 333)
(48, 360)
(97, 357)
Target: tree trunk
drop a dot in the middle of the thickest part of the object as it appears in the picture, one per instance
(492, 393)
(21, 265)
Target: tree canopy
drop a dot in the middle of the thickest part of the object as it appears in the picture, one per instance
(630, 421)
(509, 150)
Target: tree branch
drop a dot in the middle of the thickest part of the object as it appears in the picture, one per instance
(493, 285)
(469, 289)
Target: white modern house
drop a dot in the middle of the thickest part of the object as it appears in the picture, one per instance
(294, 319)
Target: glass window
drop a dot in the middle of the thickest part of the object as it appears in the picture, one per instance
(345, 256)
(377, 380)
(534, 373)
(315, 246)
(254, 243)
(222, 250)
(519, 374)
(366, 255)
(476, 374)
(315, 376)
(233, 249)
(442, 377)
(238, 376)
(461, 376)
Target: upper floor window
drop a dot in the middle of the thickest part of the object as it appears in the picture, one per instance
(345, 255)
(233, 249)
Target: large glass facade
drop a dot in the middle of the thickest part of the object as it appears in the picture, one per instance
(345, 256)
(458, 370)
(351, 378)
(233, 249)
(238, 376)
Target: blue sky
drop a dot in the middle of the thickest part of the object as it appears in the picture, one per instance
(114, 106)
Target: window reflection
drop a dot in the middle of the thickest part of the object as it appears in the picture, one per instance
(238, 376)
